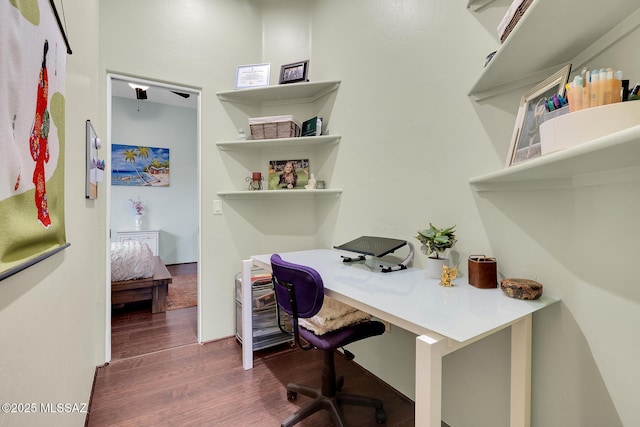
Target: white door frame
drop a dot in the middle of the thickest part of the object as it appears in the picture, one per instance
(196, 92)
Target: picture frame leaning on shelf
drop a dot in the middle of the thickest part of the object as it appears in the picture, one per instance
(294, 72)
(525, 141)
(252, 75)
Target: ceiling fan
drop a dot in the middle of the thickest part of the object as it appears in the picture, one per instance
(141, 92)
(182, 94)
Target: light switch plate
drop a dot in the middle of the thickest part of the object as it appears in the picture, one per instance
(217, 207)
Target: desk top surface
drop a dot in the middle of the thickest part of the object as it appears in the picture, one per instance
(410, 299)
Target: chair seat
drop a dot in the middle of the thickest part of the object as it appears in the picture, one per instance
(344, 336)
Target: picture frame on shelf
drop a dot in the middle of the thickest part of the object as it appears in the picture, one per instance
(288, 174)
(252, 75)
(525, 141)
(294, 72)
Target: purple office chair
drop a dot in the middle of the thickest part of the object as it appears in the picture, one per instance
(300, 292)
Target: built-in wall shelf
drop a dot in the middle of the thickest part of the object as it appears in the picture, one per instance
(615, 156)
(320, 141)
(546, 38)
(271, 194)
(478, 3)
(292, 93)
(308, 97)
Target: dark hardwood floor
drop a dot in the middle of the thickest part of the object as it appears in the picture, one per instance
(136, 331)
(161, 376)
(205, 385)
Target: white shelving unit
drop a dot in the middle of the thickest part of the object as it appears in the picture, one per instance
(531, 53)
(290, 93)
(272, 144)
(478, 3)
(272, 194)
(590, 162)
(307, 97)
(545, 39)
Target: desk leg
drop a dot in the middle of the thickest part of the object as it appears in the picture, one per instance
(247, 316)
(521, 372)
(429, 353)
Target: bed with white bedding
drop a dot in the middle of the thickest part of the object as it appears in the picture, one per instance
(138, 275)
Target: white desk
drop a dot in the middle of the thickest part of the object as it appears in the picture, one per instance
(445, 320)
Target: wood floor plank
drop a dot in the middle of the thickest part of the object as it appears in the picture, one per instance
(135, 330)
(160, 376)
(204, 385)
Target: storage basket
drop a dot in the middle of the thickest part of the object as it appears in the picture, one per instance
(273, 127)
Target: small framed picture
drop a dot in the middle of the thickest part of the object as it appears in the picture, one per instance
(525, 141)
(294, 72)
(288, 174)
(254, 75)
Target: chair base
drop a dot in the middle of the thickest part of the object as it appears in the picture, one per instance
(330, 403)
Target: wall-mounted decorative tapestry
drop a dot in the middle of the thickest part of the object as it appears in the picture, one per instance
(32, 133)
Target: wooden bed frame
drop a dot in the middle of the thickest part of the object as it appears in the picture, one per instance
(153, 288)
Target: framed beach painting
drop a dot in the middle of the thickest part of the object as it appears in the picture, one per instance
(139, 166)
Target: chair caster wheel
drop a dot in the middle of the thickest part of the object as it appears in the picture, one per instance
(291, 395)
(381, 416)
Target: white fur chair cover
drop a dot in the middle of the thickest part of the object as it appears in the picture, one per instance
(333, 315)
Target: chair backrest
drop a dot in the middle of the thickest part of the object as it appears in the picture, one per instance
(299, 289)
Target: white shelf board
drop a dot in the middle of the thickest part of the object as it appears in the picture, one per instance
(268, 194)
(270, 144)
(568, 168)
(479, 3)
(290, 93)
(545, 39)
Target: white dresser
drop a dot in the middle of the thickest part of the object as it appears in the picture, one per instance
(150, 237)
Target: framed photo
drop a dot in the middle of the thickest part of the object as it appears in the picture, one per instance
(288, 174)
(254, 75)
(525, 142)
(294, 72)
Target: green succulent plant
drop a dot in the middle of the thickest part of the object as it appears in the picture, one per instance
(437, 240)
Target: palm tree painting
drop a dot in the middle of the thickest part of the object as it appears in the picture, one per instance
(139, 165)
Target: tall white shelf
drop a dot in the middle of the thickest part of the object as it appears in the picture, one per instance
(290, 93)
(530, 54)
(309, 96)
(612, 157)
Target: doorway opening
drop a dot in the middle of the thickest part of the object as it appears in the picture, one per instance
(153, 158)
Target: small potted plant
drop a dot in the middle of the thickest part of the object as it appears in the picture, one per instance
(435, 241)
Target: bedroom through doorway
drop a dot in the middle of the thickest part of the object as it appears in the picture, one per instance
(153, 148)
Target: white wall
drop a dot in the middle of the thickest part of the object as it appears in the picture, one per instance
(411, 140)
(174, 209)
